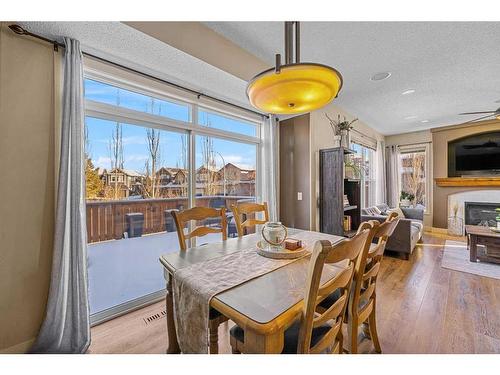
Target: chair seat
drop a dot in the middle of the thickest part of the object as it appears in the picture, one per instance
(291, 336)
(332, 298)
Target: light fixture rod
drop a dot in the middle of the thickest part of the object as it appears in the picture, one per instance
(288, 42)
(297, 41)
(292, 39)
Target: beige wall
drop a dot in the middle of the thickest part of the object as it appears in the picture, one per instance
(294, 172)
(409, 138)
(321, 136)
(440, 139)
(27, 188)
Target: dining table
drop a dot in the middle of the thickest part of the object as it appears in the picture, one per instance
(263, 306)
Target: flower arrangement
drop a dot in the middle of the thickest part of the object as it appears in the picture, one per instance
(340, 125)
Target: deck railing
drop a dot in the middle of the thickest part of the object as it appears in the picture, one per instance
(106, 220)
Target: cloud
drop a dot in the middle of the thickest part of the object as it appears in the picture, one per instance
(135, 158)
(102, 161)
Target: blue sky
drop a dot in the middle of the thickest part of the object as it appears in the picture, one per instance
(135, 149)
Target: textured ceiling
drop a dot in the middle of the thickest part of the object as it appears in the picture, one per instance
(120, 43)
(454, 67)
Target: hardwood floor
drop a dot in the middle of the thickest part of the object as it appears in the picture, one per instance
(422, 308)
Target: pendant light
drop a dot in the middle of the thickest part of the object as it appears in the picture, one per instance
(295, 87)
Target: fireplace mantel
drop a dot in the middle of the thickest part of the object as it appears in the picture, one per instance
(468, 181)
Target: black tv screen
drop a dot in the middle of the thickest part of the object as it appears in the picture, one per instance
(474, 155)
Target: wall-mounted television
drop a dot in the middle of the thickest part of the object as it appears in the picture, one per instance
(474, 155)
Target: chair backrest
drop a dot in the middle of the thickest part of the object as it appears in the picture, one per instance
(368, 267)
(324, 252)
(245, 209)
(181, 218)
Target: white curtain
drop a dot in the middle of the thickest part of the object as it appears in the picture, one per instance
(380, 187)
(66, 327)
(269, 166)
(392, 173)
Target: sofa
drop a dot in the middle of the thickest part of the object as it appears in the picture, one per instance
(408, 231)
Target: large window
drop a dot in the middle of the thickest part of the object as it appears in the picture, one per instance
(362, 165)
(139, 164)
(413, 167)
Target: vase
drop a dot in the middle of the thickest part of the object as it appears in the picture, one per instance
(455, 226)
(336, 140)
(345, 139)
(405, 203)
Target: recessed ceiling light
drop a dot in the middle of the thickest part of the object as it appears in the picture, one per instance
(409, 91)
(380, 76)
(410, 117)
(424, 121)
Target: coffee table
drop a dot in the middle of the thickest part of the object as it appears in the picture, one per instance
(490, 241)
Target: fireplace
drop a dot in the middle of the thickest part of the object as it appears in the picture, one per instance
(480, 213)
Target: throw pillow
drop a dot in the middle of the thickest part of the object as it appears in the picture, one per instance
(377, 210)
(396, 210)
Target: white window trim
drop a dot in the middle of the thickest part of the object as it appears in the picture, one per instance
(425, 147)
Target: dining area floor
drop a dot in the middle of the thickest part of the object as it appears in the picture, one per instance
(423, 308)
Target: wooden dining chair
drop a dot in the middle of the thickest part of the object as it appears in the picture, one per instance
(317, 332)
(181, 219)
(362, 304)
(241, 212)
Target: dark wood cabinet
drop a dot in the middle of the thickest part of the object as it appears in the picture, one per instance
(332, 188)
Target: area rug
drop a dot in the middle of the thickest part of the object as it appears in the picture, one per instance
(456, 257)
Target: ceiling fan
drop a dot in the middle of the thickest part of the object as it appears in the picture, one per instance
(495, 113)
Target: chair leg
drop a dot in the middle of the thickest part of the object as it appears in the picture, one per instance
(235, 351)
(352, 332)
(214, 337)
(372, 320)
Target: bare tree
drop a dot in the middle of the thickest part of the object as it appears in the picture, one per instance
(416, 178)
(208, 171)
(153, 142)
(182, 163)
(116, 155)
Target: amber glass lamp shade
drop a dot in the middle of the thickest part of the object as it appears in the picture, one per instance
(296, 88)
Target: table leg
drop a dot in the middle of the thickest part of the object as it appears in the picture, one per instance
(256, 343)
(173, 345)
(473, 248)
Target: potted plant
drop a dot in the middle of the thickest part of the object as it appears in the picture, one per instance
(341, 128)
(406, 198)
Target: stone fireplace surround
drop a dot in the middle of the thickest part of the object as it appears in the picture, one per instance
(477, 196)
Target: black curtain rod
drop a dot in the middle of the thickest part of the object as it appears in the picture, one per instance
(22, 31)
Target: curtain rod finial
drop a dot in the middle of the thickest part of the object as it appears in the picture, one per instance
(18, 29)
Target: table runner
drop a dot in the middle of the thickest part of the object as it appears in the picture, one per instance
(194, 286)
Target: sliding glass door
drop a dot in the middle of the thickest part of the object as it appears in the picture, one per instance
(142, 150)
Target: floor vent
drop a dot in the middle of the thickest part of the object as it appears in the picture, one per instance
(154, 317)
